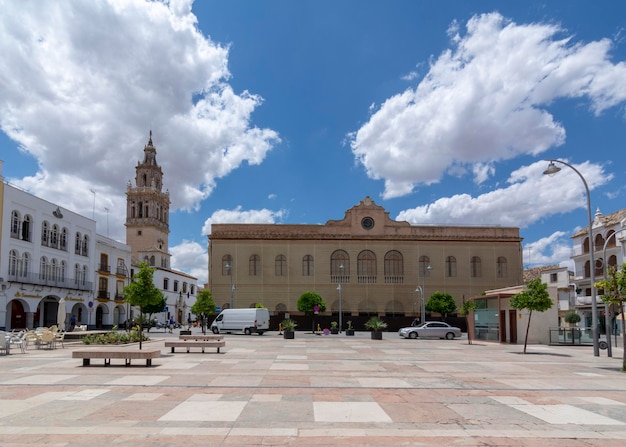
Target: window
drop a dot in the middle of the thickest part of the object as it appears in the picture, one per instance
(175, 286)
(54, 236)
(424, 264)
(501, 268)
(152, 261)
(13, 263)
(554, 277)
(15, 224)
(25, 267)
(77, 274)
(45, 233)
(166, 283)
(586, 245)
(104, 262)
(184, 287)
(476, 267)
(78, 243)
(366, 267)
(307, 265)
(254, 265)
(339, 266)
(192, 289)
(394, 267)
(227, 265)
(54, 270)
(63, 240)
(84, 276)
(86, 246)
(62, 270)
(280, 265)
(43, 268)
(451, 267)
(26, 236)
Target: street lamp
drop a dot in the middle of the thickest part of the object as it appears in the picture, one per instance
(340, 297)
(421, 290)
(232, 287)
(553, 169)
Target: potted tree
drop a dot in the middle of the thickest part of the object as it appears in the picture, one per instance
(376, 325)
(334, 327)
(572, 318)
(350, 329)
(289, 327)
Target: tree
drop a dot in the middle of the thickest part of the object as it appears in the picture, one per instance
(466, 309)
(534, 298)
(442, 303)
(142, 292)
(614, 292)
(309, 302)
(155, 308)
(204, 306)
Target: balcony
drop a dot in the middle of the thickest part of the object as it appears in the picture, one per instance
(47, 280)
(104, 268)
(103, 294)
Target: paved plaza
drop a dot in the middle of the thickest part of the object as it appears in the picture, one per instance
(317, 391)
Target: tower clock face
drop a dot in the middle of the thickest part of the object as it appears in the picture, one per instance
(367, 223)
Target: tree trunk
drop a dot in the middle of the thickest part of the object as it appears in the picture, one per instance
(623, 338)
(530, 314)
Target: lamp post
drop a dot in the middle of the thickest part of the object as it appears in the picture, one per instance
(340, 298)
(422, 289)
(232, 287)
(553, 169)
(607, 316)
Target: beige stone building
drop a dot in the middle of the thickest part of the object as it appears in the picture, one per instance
(380, 264)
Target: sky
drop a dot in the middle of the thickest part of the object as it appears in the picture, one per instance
(280, 111)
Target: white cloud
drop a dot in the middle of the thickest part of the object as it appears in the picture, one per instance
(483, 101)
(192, 258)
(237, 215)
(82, 83)
(553, 249)
(529, 197)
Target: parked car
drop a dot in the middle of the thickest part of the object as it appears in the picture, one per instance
(433, 329)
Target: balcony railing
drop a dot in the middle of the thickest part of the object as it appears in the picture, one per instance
(103, 294)
(43, 280)
(104, 268)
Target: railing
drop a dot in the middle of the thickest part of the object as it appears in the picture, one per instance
(41, 280)
(103, 294)
(104, 268)
(575, 336)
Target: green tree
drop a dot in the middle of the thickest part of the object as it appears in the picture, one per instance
(534, 298)
(614, 292)
(156, 308)
(203, 307)
(466, 310)
(442, 303)
(142, 292)
(307, 303)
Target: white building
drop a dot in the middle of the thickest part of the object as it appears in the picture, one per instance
(47, 254)
(609, 248)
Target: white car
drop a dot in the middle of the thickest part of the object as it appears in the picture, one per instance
(433, 329)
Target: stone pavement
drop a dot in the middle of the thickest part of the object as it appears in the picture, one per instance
(318, 391)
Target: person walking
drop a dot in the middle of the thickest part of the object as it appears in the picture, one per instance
(171, 323)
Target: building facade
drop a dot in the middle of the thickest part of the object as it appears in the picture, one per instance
(609, 248)
(147, 233)
(47, 257)
(363, 264)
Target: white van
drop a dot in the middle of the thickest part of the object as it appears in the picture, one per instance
(247, 321)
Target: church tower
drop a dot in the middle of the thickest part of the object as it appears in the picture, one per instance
(147, 212)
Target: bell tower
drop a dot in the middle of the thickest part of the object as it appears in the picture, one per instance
(147, 212)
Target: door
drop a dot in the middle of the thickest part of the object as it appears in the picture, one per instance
(512, 326)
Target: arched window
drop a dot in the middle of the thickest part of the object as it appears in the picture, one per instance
(15, 224)
(54, 236)
(227, 265)
(394, 267)
(43, 268)
(586, 245)
(78, 244)
(152, 261)
(26, 226)
(599, 241)
(476, 270)
(25, 267)
(424, 264)
(13, 263)
(45, 233)
(54, 270)
(501, 267)
(84, 278)
(307, 265)
(86, 245)
(451, 267)
(254, 265)
(339, 266)
(63, 240)
(366, 267)
(62, 271)
(280, 265)
(77, 273)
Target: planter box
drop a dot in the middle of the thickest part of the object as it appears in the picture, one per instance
(377, 335)
(185, 332)
(289, 335)
(350, 332)
(334, 331)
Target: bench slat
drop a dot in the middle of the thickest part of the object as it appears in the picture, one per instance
(195, 344)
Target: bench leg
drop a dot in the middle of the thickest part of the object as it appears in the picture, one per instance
(172, 349)
(107, 362)
(148, 362)
(126, 362)
(218, 349)
(85, 362)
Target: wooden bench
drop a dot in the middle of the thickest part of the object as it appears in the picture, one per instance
(117, 353)
(195, 344)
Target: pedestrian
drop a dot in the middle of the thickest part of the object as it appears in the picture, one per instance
(72, 322)
(189, 321)
(171, 324)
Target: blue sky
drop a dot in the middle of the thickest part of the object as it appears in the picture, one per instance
(294, 111)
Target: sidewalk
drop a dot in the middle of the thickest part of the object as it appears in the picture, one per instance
(318, 391)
